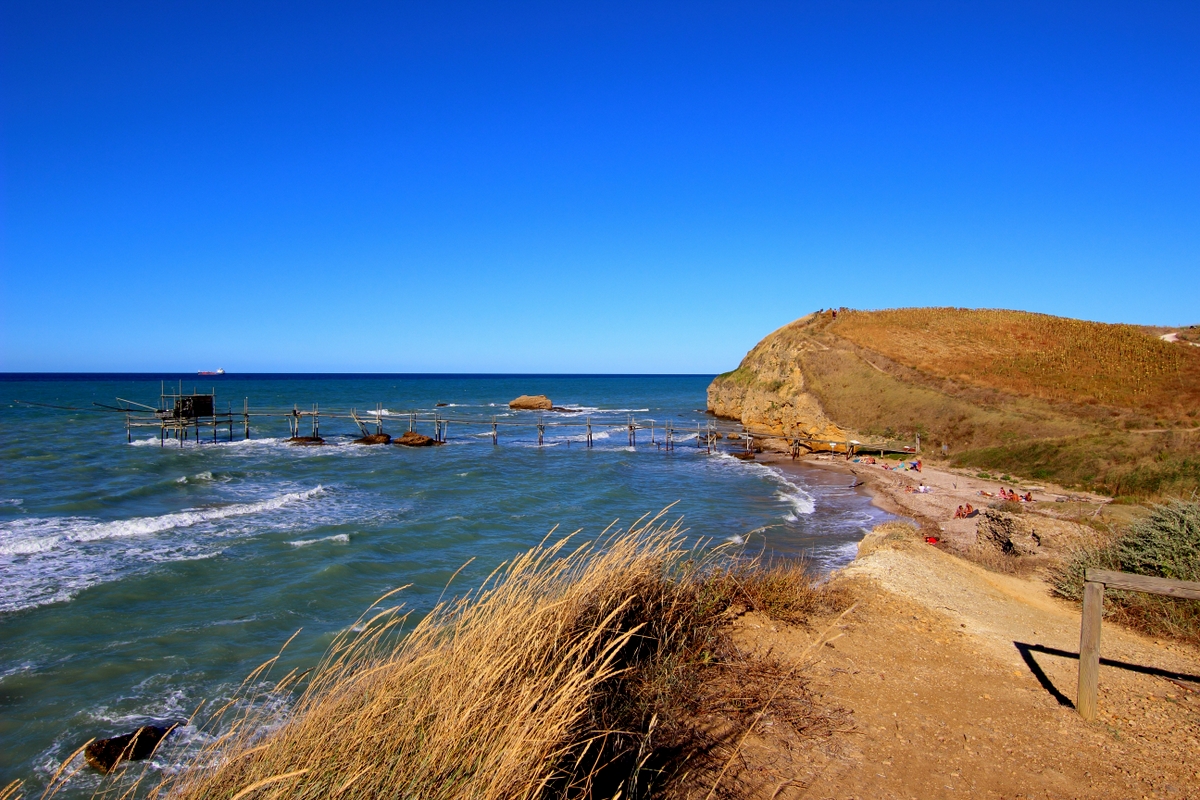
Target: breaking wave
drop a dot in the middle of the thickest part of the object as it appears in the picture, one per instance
(51, 559)
(16, 539)
(341, 538)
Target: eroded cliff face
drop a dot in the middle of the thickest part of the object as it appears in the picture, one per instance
(767, 391)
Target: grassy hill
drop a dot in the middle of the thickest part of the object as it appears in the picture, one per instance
(1108, 407)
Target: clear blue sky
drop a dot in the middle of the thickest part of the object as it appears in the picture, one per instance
(575, 187)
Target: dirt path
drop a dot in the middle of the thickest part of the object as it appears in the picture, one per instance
(960, 682)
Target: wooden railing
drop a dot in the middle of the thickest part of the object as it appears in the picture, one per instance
(1097, 580)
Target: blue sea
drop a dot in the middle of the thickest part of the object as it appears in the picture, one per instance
(137, 581)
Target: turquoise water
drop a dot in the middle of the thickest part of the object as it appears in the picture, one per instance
(136, 581)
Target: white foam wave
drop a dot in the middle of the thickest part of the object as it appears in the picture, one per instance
(799, 501)
(12, 502)
(36, 535)
(340, 538)
(576, 410)
(236, 443)
(200, 476)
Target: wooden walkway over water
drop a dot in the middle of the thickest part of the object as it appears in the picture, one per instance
(179, 418)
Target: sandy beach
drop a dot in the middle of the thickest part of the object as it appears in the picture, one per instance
(960, 681)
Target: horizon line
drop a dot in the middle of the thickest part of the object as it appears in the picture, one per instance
(248, 375)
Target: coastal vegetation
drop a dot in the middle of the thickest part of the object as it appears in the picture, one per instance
(1164, 544)
(1036, 355)
(1111, 408)
(575, 670)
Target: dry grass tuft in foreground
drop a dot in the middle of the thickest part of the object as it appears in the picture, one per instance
(576, 670)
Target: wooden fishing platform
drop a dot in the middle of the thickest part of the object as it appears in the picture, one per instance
(196, 416)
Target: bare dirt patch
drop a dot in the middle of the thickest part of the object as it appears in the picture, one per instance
(960, 682)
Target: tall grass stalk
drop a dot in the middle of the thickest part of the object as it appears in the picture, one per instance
(565, 674)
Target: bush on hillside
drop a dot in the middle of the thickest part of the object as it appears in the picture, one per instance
(1166, 544)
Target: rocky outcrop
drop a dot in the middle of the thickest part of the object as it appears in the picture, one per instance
(768, 393)
(1007, 532)
(414, 439)
(531, 402)
(1027, 534)
(306, 440)
(105, 754)
(374, 438)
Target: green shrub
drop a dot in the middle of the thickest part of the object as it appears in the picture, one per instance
(1165, 544)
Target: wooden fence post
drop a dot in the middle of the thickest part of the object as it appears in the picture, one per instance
(1089, 649)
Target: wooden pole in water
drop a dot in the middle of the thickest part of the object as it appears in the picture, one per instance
(495, 439)
(541, 430)
(246, 413)
(589, 431)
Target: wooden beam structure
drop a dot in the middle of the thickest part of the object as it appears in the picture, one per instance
(1096, 581)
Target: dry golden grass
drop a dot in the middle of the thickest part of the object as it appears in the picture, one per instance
(1036, 355)
(575, 670)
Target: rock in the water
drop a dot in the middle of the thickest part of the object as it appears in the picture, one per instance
(374, 438)
(440, 405)
(531, 402)
(306, 440)
(414, 439)
(734, 436)
(105, 754)
(742, 454)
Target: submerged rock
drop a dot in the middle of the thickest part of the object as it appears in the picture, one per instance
(105, 754)
(414, 439)
(531, 402)
(742, 454)
(306, 440)
(374, 438)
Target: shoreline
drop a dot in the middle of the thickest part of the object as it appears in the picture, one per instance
(958, 677)
(933, 512)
